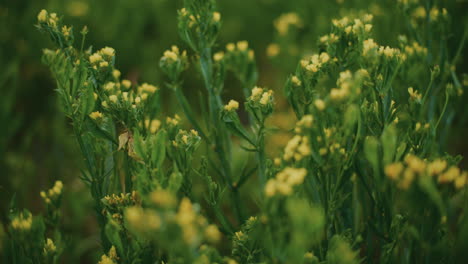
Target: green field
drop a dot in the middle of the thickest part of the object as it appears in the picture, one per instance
(247, 131)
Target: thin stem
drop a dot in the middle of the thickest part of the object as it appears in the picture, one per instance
(443, 110)
(222, 147)
(261, 157)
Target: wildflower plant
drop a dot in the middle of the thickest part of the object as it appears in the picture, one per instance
(363, 176)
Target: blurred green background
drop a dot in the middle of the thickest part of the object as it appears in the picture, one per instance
(36, 146)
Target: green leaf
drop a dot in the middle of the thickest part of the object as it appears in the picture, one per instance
(175, 181)
(389, 143)
(87, 102)
(159, 148)
(428, 186)
(98, 131)
(139, 145)
(351, 116)
(112, 231)
(371, 151)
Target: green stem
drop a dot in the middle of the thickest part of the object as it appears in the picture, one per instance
(222, 219)
(261, 157)
(222, 147)
(443, 110)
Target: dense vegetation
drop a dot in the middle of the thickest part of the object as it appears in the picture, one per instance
(241, 132)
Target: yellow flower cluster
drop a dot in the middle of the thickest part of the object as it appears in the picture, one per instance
(414, 95)
(273, 50)
(329, 39)
(233, 105)
(173, 121)
(185, 138)
(134, 98)
(419, 126)
(355, 26)
(174, 54)
(152, 125)
(404, 173)
(315, 62)
(96, 115)
(283, 22)
(369, 45)
(319, 104)
(121, 199)
(295, 80)
(216, 16)
(436, 14)
(49, 247)
(344, 82)
(190, 222)
(241, 46)
(110, 258)
(218, 56)
(284, 181)
(305, 122)
(415, 49)
(52, 194)
(371, 49)
(298, 148)
(22, 222)
(146, 88)
(142, 220)
(102, 58)
(163, 198)
(261, 96)
(66, 31)
(44, 17)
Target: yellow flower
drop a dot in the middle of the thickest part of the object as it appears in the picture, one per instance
(283, 22)
(266, 97)
(216, 16)
(106, 260)
(296, 80)
(137, 100)
(232, 106)
(113, 98)
(242, 45)
(126, 83)
(256, 92)
(116, 73)
(95, 58)
(230, 47)
(393, 170)
(306, 121)
(414, 94)
(368, 46)
(21, 222)
(107, 51)
(461, 180)
(42, 16)
(450, 175)
(273, 50)
(415, 163)
(218, 56)
(148, 88)
(49, 246)
(163, 198)
(319, 104)
(436, 167)
(212, 234)
(153, 125)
